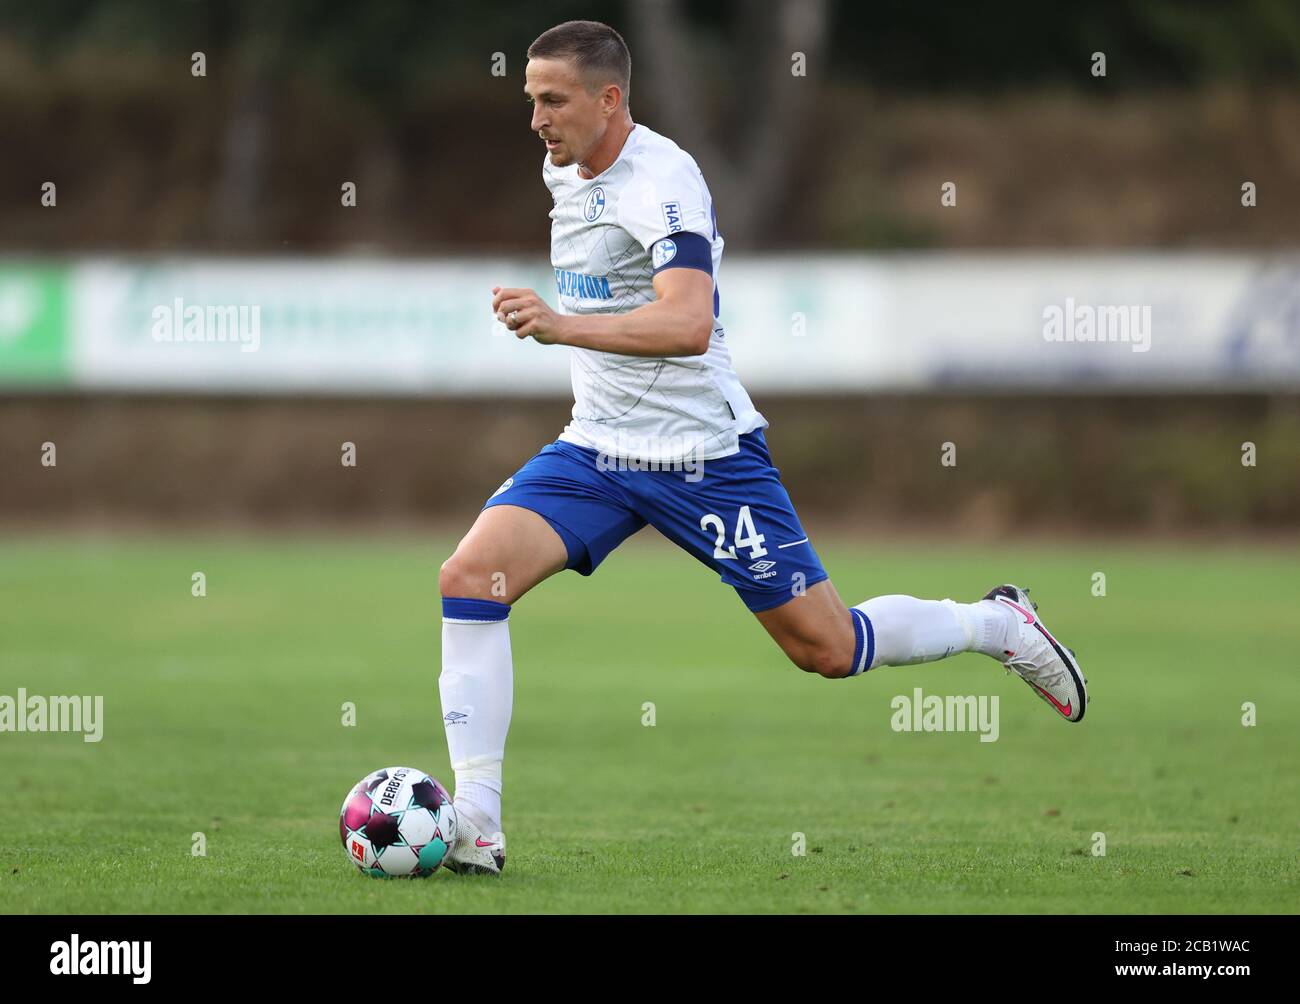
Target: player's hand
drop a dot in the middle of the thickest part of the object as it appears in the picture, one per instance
(526, 314)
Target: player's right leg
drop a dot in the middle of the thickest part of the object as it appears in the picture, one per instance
(507, 551)
(560, 510)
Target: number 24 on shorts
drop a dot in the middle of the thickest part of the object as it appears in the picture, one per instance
(746, 535)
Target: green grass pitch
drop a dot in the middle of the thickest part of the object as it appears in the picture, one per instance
(223, 716)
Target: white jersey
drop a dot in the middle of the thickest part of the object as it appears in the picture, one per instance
(608, 235)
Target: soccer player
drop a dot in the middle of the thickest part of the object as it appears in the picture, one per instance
(662, 433)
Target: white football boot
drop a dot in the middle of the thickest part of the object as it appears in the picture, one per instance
(475, 853)
(1041, 661)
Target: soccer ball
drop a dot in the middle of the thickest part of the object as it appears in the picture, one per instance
(397, 822)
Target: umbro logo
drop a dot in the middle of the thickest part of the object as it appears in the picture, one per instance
(454, 717)
(762, 566)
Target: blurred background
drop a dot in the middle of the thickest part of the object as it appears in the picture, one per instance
(926, 213)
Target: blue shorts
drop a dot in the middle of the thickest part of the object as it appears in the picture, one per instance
(732, 514)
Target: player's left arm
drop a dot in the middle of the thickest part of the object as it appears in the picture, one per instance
(678, 323)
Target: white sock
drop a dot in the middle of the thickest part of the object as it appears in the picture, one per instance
(994, 627)
(476, 686)
(481, 802)
(907, 630)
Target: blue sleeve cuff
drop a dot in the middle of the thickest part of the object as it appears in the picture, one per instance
(684, 249)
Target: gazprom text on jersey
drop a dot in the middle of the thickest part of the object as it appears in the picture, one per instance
(586, 286)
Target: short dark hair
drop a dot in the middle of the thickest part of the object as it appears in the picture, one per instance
(596, 50)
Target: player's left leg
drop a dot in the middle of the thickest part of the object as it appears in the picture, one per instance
(816, 631)
(820, 635)
(738, 519)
